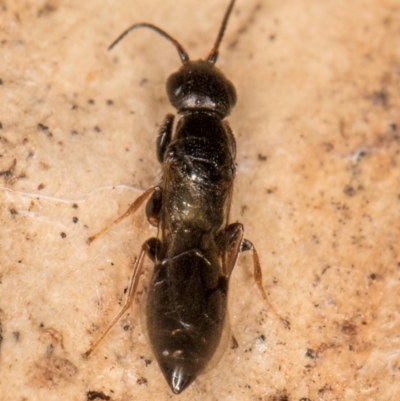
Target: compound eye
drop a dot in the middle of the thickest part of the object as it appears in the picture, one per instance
(175, 88)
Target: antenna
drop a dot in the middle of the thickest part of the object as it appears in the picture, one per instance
(181, 51)
(213, 56)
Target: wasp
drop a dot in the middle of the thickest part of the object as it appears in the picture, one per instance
(196, 248)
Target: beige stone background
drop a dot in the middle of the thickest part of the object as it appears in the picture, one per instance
(318, 190)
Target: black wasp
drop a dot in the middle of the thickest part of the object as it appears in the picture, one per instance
(196, 249)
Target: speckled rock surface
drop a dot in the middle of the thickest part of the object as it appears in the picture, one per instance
(318, 190)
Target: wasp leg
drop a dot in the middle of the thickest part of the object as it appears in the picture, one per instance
(235, 244)
(132, 209)
(149, 248)
(164, 136)
(154, 207)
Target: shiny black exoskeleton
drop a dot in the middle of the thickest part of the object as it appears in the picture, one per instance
(197, 248)
(187, 297)
(186, 304)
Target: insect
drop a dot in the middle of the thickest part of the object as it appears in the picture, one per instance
(196, 248)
